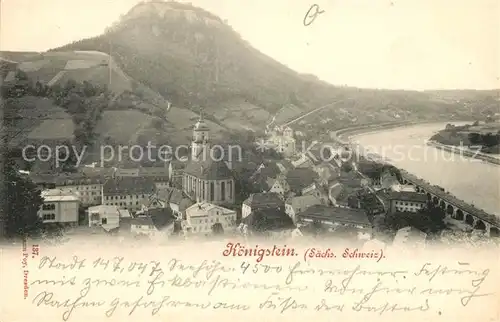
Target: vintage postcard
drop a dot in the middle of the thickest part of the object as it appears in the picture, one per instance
(264, 160)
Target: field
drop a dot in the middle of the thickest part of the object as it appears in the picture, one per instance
(232, 113)
(53, 129)
(122, 126)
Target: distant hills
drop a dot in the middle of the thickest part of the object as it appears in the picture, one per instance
(164, 61)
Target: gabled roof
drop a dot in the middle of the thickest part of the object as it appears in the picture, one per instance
(185, 204)
(129, 186)
(408, 196)
(336, 214)
(162, 217)
(142, 221)
(299, 178)
(264, 199)
(302, 202)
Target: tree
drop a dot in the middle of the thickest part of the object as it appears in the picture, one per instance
(69, 165)
(20, 203)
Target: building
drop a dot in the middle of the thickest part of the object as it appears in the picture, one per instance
(86, 184)
(271, 222)
(334, 217)
(278, 185)
(107, 217)
(206, 218)
(206, 179)
(127, 192)
(262, 200)
(159, 175)
(407, 201)
(300, 178)
(295, 205)
(285, 145)
(272, 169)
(171, 198)
(282, 141)
(143, 226)
(164, 219)
(59, 207)
(325, 172)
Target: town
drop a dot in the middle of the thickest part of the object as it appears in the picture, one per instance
(289, 194)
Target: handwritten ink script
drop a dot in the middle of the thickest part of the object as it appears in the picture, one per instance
(311, 15)
(118, 286)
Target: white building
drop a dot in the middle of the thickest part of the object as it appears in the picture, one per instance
(204, 218)
(407, 201)
(88, 190)
(59, 207)
(107, 217)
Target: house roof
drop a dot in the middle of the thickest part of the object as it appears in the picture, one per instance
(264, 199)
(56, 195)
(76, 178)
(103, 209)
(129, 186)
(268, 219)
(162, 217)
(302, 202)
(408, 196)
(143, 221)
(336, 214)
(154, 171)
(209, 170)
(201, 209)
(185, 204)
(300, 178)
(270, 182)
(97, 172)
(350, 179)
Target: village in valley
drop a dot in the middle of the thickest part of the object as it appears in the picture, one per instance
(288, 194)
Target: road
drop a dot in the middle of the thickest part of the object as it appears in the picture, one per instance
(314, 111)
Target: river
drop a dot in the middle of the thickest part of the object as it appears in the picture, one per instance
(471, 180)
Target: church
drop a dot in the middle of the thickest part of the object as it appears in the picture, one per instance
(206, 179)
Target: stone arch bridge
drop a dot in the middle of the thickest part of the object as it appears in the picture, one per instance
(454, 207)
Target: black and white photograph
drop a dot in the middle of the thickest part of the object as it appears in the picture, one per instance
(237, 159)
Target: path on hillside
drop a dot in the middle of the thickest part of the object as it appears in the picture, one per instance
(314, 111)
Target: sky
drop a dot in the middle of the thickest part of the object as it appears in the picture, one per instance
(398, 44)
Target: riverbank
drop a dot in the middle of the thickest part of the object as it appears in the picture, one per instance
(343, 136)
(465, 152)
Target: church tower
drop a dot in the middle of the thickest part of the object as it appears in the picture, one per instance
(200, 145)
